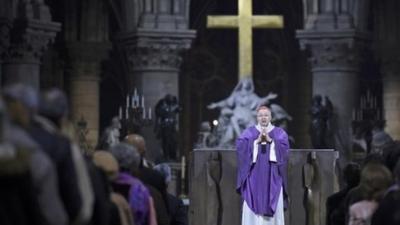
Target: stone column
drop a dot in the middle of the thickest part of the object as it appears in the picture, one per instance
(31, 33)
(154, 60)
(153, 49)
(386, 36)
(84, 78)
(391, 96)
(86, 41)
(335, 44)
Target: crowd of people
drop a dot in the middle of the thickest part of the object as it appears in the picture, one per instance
(371, 195)
(46, 180)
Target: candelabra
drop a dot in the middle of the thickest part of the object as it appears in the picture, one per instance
(133, 115)
(81, 125)
(365, 118)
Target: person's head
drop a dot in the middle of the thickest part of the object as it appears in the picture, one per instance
(137, 141)
(165, 170)
(380, 140)
(22, 102)
(106, 162)
(115, 122)
(351, 174)
(127, 156)
(263, 116)
(375, 179)
(317, 100)
(54, 105)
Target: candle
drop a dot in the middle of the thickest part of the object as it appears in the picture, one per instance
(133, 103)
(120, 113)
(126, 113)
(149, 113)
(135, 98)
(144, 113)
(127, 101)
(143, 102)
(183, 168)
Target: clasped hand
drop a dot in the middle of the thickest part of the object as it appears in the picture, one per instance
(264, 137)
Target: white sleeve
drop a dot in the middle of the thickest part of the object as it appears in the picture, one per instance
(272, 153)
(255, 151)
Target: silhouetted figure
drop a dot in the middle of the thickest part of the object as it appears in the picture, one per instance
(166, 125)
(320, 116)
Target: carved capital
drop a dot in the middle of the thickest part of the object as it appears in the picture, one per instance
(334, 50)
(327, 54)
(151, 50)
(29, 40)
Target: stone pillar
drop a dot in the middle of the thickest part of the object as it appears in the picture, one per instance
(386, 36)
(391, 96)
(84, 78)
(153, 50)
(86, 40)
(335, 44)
(31, 33)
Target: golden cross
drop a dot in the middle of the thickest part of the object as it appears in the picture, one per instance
(245, 21)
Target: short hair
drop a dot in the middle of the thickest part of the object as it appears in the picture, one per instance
(375, 179)
(128, 156)
(165, 170)
(351, 174)
(25, 94)
(136, 141)
(106, 162)
(54, 104)
(263, 107)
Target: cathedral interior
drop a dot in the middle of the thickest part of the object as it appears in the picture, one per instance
(100, 51)
(333, 69)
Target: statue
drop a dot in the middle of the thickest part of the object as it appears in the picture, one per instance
(166, 124)
(110, 135)
(205, 138)
(237, 112)
(321, 114)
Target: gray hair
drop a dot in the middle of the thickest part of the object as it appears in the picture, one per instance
(165, 170)
(54, 103)
(128, 156)
(23, 93)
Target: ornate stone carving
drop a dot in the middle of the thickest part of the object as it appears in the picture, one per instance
(146, 51)
(336, 50)
(29, 40)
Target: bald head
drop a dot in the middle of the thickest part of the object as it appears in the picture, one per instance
(137, 141)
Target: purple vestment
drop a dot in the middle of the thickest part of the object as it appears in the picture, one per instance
(260, 183)
(137, 196)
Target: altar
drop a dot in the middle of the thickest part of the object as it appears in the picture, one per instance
(312, 177)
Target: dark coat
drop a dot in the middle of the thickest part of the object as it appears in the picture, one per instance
(178, 212)
(58, 148)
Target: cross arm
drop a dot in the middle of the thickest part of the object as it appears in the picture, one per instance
(222, 21)
(267, 21)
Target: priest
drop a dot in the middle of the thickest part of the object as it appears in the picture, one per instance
(262, 153)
